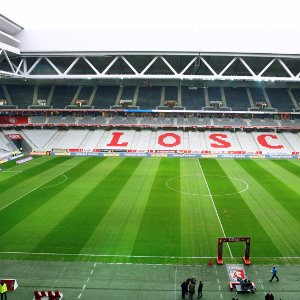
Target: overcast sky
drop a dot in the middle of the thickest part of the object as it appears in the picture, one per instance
(122, 14)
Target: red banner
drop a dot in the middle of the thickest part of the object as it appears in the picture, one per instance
(15, 120)
(14, 136)
(11, 284)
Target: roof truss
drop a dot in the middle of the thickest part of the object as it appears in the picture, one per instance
(150, 66)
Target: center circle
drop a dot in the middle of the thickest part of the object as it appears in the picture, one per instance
(173, 184)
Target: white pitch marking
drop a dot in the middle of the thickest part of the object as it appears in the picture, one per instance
(214, 205)
(129, 256)
(50, 186)
(221, 296)
(32, 190)
(218, 280)
(197, 194)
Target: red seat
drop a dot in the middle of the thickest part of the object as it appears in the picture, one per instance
(57, 294)
(51, 295)
(44, 294)
(37, 295)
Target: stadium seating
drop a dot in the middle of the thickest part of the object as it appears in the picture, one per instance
(247, 141)
(128, 93)
(214, 94)
(38, 138)
(38, 119)
(171, 93)
(160, 140)
(149, 97)
(85, 93)
(43, 92)
(61, 120)
(91, 140)
(72, 139)
(105, 97)
(21, 96)
(192, 99)
(63, 96)
(280, 99)
(91, 120)
(237, 98)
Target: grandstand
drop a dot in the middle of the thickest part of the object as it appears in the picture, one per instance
(88, 104)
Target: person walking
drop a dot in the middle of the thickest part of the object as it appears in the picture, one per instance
(200, 287)
(3, 290)
(274, 274)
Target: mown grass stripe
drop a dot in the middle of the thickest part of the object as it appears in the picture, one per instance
(160, 230)
(28, 172)
(118, 229)
(11, 168)
(25, 220)
(281, 172)
(34, 178)
(234, 213)
(199, 224)
(81, 218)
(289, 166)
(280, 191)
(280, 225)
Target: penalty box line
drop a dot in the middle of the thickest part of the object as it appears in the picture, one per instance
(214, 205)
(36, 188)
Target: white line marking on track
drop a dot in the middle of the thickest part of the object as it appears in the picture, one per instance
(88, 279)
(214, 205)
(260, 283)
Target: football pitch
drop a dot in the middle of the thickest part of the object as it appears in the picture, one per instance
(149, 211)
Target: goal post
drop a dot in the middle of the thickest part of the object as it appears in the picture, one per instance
(230, 240)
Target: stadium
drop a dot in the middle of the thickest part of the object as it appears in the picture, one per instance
(127, 163)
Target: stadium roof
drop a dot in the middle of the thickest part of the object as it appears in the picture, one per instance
(53, 41)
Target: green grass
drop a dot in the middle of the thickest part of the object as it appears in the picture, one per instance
(157, 210)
